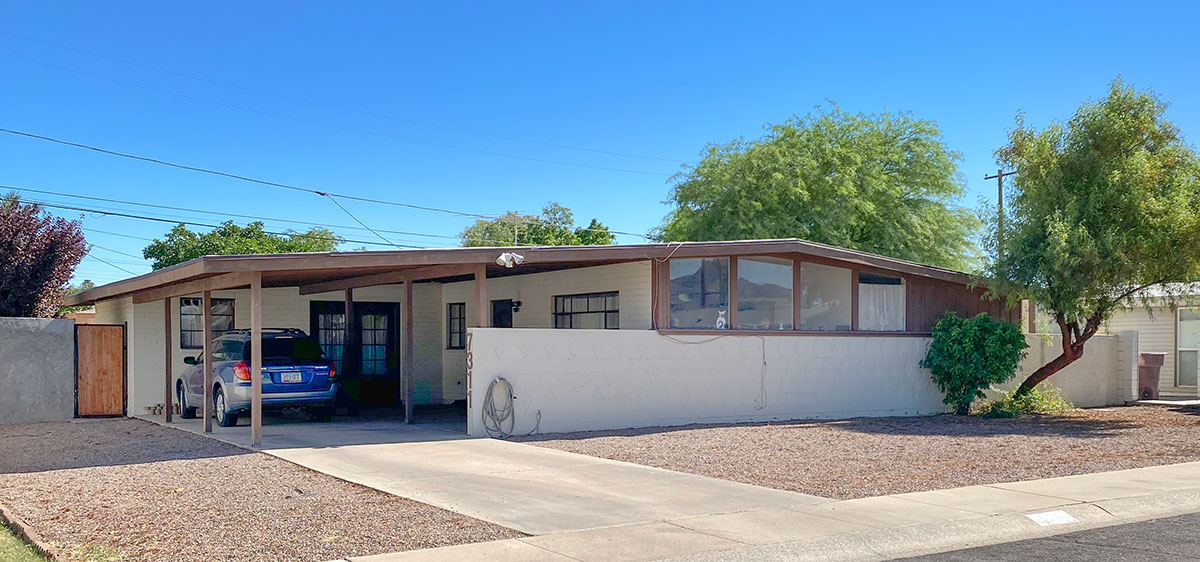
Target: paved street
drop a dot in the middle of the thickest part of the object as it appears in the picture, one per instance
(1173, 538)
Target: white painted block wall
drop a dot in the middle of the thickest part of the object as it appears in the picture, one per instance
(583, 380)
(1104, 376)
(602, 379)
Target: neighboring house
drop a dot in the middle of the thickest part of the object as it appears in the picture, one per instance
(605, 336)
(1174, 332)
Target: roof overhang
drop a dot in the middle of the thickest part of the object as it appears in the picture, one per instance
(326, 269)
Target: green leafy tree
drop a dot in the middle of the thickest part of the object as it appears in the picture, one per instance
(38, 255)
(970, 355)
(1106, 205)
(554, 227)
(882, 183)
(180, 244)
(75, 290)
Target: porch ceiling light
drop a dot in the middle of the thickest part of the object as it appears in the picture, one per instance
(510, 260)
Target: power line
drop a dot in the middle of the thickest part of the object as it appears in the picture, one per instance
(236, 176)
(207, 225)
(203, 211)
(364, 225)
(335, 106)
(89, 254)
(118, 252)
(330, 125)
(217, 213)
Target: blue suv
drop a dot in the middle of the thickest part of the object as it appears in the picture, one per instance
(295, 373)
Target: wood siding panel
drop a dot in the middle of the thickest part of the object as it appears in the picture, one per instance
(100, 370)
(929, 299)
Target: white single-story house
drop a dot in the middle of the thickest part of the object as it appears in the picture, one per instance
(1173, 331)
(589, 337)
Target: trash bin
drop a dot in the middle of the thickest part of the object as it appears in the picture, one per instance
(1149, 364)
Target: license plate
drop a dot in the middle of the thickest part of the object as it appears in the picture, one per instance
(291, 377)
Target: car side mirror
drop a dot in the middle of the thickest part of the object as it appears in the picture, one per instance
(190, 360)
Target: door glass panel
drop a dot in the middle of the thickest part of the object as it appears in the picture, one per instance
(1188, 342)
(374, 344)
(331, 334)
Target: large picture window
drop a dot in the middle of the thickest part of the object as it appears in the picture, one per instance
(191, 320)
(764, 293)
(825, 293)
(881, 302)
(699, 293)
(591, 311)
(1187, 339)
(456, 325)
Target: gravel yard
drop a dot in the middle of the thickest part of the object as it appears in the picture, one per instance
(126, 489)
(875, 456)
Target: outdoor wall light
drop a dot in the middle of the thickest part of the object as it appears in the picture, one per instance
(510, 260)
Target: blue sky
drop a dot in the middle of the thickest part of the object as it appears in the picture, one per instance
(656, 80)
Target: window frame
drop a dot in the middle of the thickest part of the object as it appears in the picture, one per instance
(1180, 350)
(456, 325)
(216, 334)
(555, 312)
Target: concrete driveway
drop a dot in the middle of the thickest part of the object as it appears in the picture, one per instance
(523, 487)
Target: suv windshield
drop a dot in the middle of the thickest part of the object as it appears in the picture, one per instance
(293, 349)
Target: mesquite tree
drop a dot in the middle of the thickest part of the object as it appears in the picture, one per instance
(38, 254)
(1106, 205)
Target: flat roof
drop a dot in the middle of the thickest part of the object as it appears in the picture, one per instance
(288, 270)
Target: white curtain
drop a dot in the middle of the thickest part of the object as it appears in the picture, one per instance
(880, 307)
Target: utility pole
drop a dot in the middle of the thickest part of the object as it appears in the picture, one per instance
(999, 177)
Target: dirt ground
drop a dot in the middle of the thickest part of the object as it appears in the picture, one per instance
(875, 456)
(126, 489)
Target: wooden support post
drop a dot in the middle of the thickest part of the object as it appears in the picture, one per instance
(167, 378)
(797, 294)
(733, 297)
(654, 323)
(206, 364)
(349, 339)
(662, 295)
(1032, 317)
(409, 349)
(854, 300)
(483, 316)
(256, 357)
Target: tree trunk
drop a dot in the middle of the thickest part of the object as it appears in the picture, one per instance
(1072, 349)
(1042, 373)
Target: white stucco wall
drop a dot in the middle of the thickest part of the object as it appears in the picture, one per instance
(597, 379)
(1104, 376)
(594, 379)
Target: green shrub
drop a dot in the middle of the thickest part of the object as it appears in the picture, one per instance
(969, 355)
(1043, 399)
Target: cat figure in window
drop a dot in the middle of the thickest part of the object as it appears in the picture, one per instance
(720, 320)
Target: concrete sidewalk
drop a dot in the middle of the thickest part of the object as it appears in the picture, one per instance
(879, 528)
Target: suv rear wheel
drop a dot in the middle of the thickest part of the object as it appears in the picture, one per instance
(224, 417)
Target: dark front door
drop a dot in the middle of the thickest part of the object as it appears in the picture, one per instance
(367, 359)
(502, 312)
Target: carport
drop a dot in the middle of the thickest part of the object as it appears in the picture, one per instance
(323, 273)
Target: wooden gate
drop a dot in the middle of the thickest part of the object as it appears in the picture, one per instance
(99, 370)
